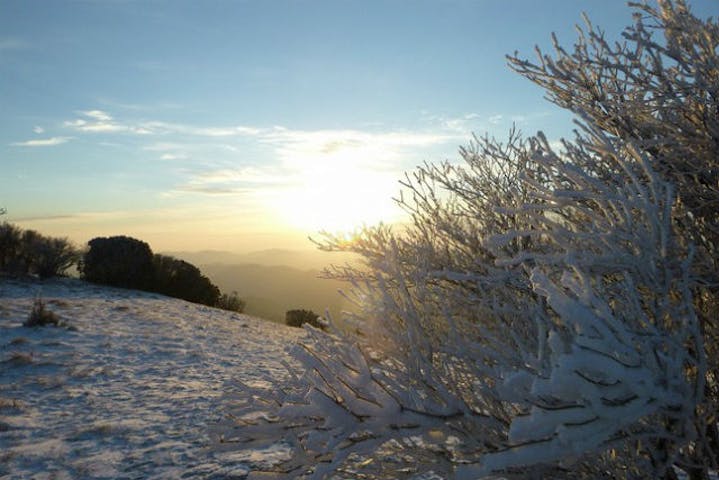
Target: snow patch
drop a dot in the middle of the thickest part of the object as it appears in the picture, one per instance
(131, 388)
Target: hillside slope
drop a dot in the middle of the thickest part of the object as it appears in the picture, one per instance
(130, 389)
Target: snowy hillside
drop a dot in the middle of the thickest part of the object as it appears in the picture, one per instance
(130, 388)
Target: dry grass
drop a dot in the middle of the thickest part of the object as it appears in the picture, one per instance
(11, 403)
(41, 316)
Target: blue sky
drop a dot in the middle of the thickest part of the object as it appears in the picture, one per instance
(240, 125)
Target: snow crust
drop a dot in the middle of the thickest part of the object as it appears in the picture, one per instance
(131, 388)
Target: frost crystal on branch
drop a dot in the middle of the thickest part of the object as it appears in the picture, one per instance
(624, 343)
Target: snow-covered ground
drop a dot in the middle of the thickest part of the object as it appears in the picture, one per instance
(130, 389)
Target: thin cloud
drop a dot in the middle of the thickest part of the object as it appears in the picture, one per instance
(95, 121)
(333, 149)
(156, 127)
(244, 180)
(213, 190)
(174, 156)
(38, 129)
(45, 218)
(7, 44)
(44, 142)
(324, 141)
(164, 147)
(495, 119)
(98, 115)
(246, 175)
(99, 121)
(460, 125)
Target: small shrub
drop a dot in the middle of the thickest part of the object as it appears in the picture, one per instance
(27, 252)
(231, 302)
(41, 316)
(296, 318)
(51, 257)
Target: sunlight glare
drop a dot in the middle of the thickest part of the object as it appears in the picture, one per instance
(337, 193)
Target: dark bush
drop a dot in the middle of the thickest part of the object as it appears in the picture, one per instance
(119, 261)
(46, 256)
(56, 257)
(25, 252)
(231, 302)
(180, 279)
(10, 236)
(296, 318)
(127, 262)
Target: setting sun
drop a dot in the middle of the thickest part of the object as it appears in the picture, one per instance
(334, 207)
(337, 190)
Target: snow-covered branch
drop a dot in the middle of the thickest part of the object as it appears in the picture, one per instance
(543, 309)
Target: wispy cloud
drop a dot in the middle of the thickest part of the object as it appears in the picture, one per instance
(44, 142)
(174, 156)
(276, 159)
(247, 175)
(463, 124)
(164, 147)
(237, 181)
(99, 121)
(45, 218)
(495, 119)
(212, 190)
(38, 130)
(322, 150)
(290, 149)
(215, 131)
(11, 43)
(138, 107)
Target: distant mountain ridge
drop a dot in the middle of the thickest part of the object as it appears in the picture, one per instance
(310, 259)
(274, 281)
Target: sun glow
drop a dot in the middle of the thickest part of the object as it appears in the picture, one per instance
(339, 192)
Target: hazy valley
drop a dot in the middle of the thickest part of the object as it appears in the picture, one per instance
(274, 281)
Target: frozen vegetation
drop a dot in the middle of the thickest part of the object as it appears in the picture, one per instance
(130, 387)
(550, 311)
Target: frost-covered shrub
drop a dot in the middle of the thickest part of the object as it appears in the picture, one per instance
(118, 261)
(547, 313)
